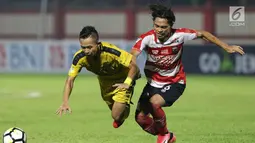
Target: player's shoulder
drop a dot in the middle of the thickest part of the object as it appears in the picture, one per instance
(148, 33)
(110, 48)
(79, 55)
(184, 30)
(79, 52)
(108, 45)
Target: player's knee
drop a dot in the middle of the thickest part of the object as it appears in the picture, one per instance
(155, 106)
(141, 120)
(139, 117)
(157, 100)
(120, 116)
(116, 116)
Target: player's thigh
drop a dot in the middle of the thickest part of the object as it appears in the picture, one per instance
(123, 95)
(107, 92)
(144, 105)
(169, 93)
(158, 100)
(107, 97)
(122, 100)
(119, 108)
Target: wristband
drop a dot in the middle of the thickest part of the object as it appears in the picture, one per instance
(128, 81)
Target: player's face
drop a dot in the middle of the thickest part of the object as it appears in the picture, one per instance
(89, 46)
(161, 27)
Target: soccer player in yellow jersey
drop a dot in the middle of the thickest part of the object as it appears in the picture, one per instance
(115, 69)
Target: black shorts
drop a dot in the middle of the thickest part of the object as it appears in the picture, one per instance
(170, 93)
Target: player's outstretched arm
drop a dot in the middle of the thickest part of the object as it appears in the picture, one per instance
(211, 38)
(67, 92)
(133, 74)
(135, 54)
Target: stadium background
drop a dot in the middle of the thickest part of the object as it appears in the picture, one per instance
(39, 37)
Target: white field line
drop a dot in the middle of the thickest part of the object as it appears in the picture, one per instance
(20, 93)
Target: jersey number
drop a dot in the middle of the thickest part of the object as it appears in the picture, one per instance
(166, 88)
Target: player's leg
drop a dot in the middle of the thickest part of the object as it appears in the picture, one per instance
(120, 111)
(142, 115)
(121, 106)
(159, 116)
(163, 98)
(116, 100)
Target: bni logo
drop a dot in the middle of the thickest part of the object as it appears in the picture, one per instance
(236, 16)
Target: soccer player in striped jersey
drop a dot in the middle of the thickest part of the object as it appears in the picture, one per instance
(166, 79)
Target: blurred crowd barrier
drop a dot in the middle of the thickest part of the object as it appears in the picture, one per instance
(121, 24)
(56, 57)
(63, 19)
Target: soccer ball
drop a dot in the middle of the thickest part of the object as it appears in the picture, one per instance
(14, 135)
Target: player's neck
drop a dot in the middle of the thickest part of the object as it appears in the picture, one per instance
(166, 38)
(163, 40)
(98, 51)
(96, 56)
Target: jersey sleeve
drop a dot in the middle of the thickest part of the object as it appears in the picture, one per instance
(188, 34)
(76, 65)
(141, 43)
(74, 70)
(125, 58)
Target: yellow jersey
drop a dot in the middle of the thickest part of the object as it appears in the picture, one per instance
(111, 66)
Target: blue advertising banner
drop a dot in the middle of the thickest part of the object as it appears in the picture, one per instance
(211, 59)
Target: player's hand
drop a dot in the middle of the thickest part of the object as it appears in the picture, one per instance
(121, 86)
(235, 49)
(64, 108)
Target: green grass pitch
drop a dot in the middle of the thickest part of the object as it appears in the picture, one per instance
(213, 109)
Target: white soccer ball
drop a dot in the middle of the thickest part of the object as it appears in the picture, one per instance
(14, 135)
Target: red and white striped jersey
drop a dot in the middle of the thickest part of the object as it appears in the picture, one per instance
(163, 65)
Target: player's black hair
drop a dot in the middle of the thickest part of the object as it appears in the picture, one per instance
(162, 12)
(88, 31)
